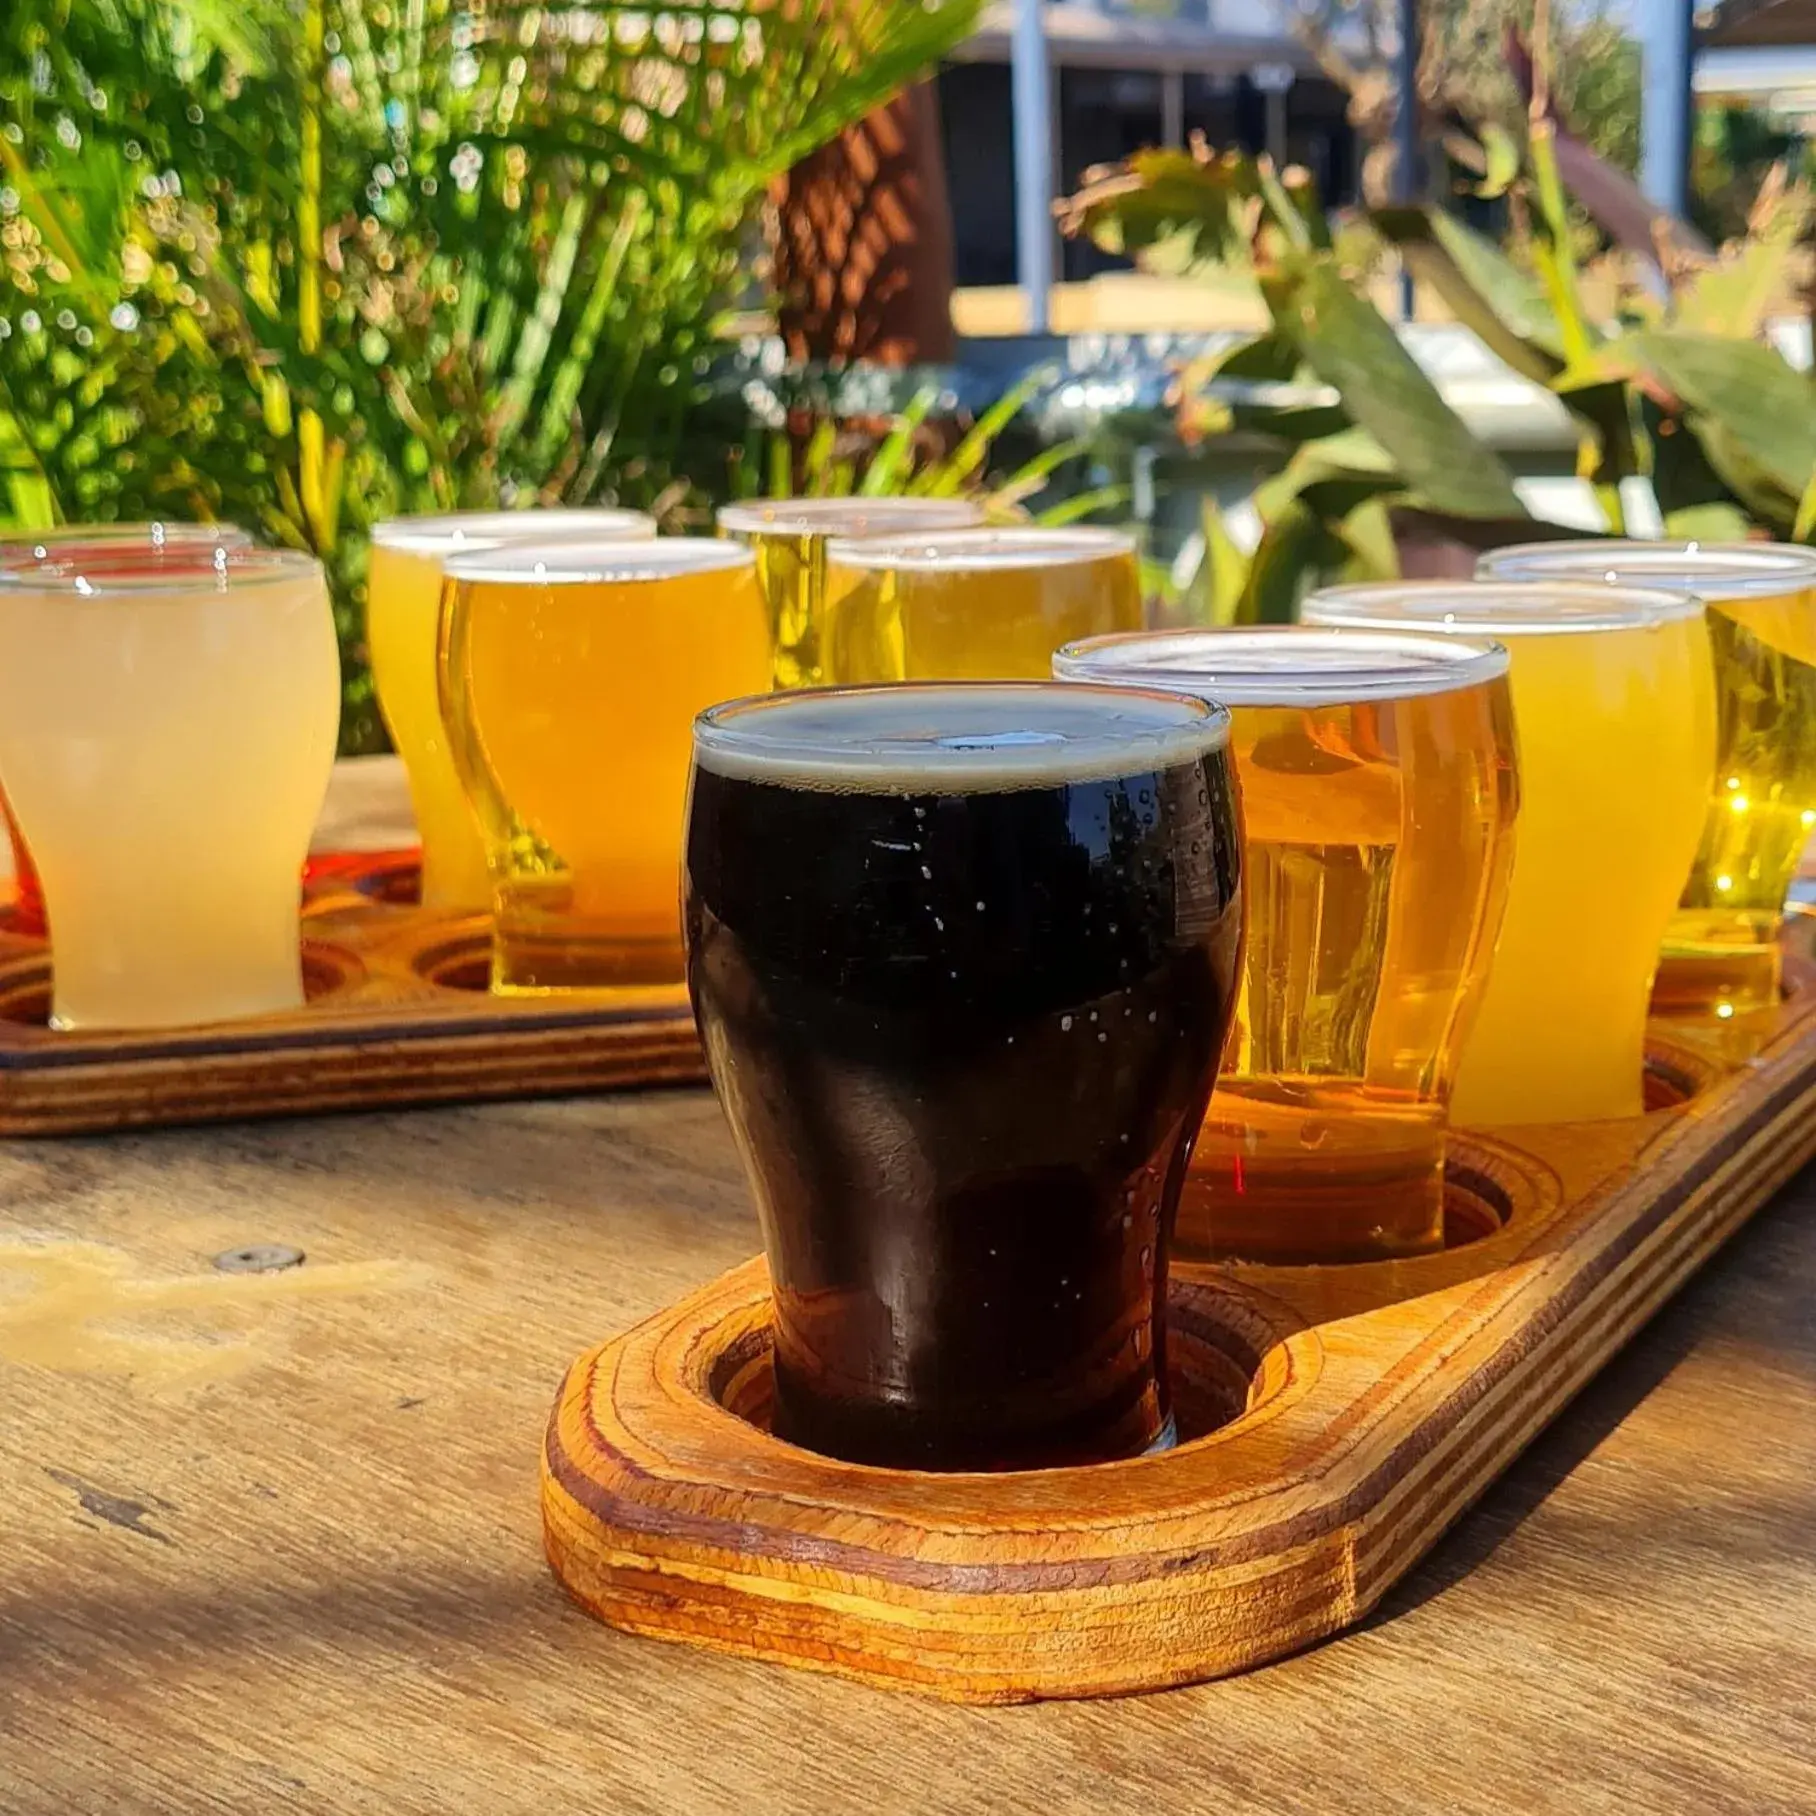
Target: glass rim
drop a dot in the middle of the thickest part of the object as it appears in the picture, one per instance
(993, 756)
(1222, 664)
(987, 549)
(828, 517)
(152, 532)
(442, 533)
(122, 572)
(1720, 570)
(1492, 608)
(595, 561)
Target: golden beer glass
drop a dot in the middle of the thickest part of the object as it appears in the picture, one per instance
(571, 675)
(983, 605)
(789, 538)
(403, 602)
(1378, 797)
(167, 728)
(1721, 955)
(1614, 700)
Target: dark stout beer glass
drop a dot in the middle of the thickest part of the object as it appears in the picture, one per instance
(963, 957)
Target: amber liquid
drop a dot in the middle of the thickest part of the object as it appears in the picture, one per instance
(1721, 956)
(999, 621)
(1378, 854)
(570, 711)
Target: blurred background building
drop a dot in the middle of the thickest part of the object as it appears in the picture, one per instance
(1125, 74)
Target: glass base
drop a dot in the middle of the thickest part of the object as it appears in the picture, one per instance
(1303, 1172)
(536, 964)
(1717, 983)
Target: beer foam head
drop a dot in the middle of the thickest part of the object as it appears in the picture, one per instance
(955, 737)
(980, 551)
(591, 561)
(847, 516)
(1290, 665)
(456, 531)
(1494, 608)
(1710, 570)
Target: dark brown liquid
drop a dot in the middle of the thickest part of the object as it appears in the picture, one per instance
(964, 1042)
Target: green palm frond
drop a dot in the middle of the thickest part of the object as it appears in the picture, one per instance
(304, 262)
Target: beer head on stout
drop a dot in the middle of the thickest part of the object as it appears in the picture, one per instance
(1721, 955)
(1614, 698)
(962, 958)
(1378, 797)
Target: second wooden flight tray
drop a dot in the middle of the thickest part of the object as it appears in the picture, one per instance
(397, 1013)
(1334, 1422)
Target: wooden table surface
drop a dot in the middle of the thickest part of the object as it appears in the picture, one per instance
(269, 1542)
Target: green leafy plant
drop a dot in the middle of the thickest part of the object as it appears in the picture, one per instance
(814, 449)
(1660, 356)
(303, 263)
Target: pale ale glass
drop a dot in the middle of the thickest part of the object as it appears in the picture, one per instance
(1721, 955)
(571, 678)
(167, 727)
(983, 605)
(62, 542)
(1378, 789)
(1614, 702)
(789, 538)
(403, 600)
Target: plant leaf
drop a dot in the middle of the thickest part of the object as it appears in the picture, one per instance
(1484, 289)
(1344, 339)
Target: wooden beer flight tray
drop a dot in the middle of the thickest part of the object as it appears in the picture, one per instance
(397, 1013)
(1334, 1421)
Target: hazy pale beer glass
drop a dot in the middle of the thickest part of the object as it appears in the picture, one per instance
(403, 603)
(789, 537)
(167, 727)
(973, 604)
(1721, 955)
(1378, 798)
(571, 676)
(65, 540)
(1614, 701)
(962, 960)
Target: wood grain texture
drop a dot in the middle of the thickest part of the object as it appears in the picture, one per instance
(264, 1550)
(398, 1012)
(1384, 1399)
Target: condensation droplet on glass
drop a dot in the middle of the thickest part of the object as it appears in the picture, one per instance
(1065, 1024)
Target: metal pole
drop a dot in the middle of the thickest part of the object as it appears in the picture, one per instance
(1668, 54)
(1409, 174)
(1172, 108)
(1408, 177)
(1030, 95)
